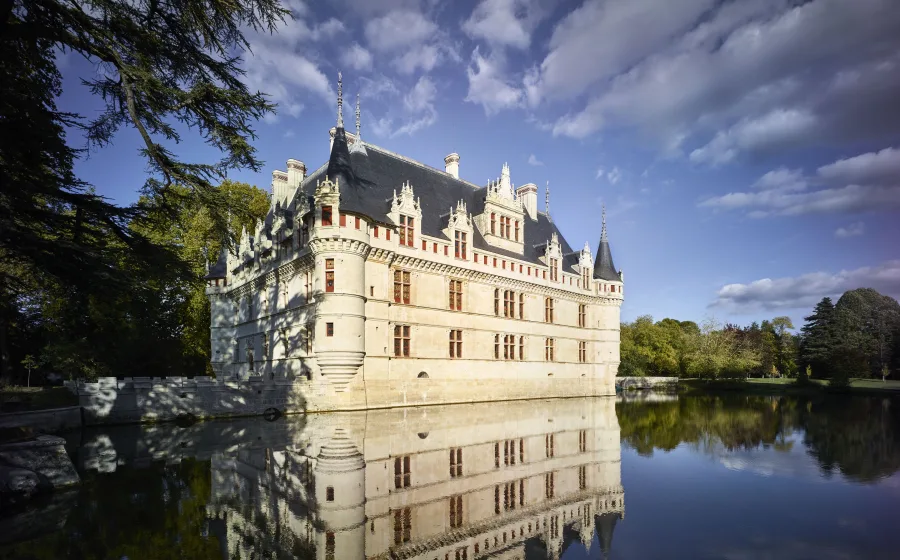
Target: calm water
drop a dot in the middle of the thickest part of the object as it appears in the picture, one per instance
(699, 477)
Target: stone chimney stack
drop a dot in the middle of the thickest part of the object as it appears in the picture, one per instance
(279, 186)
(452, 165)
(296, 173)
(528, 195)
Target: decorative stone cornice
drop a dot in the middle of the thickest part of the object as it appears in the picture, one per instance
(340, 245)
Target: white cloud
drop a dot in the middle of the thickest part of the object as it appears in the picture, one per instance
(865, 183)
(614, 176)
(357, 57)
(505, 23)
(852, 230)
(533, 160)
(487, 86)
(806, 290)
(418, 112)
(600, 173)
(398, 29)
(769, 131)
(425, 57)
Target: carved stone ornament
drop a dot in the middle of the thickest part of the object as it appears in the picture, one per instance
(585, 260)
(327, 187)
(460, 219)
(406, 204)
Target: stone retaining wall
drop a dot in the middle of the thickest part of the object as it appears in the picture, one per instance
(49, 420)
(629, 383)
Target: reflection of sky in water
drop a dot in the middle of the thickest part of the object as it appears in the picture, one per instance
(773, 503)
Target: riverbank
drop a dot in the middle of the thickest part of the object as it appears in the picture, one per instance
(787, 386)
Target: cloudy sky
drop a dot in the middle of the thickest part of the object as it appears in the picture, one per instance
(748, 151)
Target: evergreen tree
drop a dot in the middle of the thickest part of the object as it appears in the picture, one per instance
(817, 339)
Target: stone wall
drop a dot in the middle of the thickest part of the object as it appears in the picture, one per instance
(628, 383)
(50, 420)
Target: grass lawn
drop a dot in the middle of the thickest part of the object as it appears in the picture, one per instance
(14, 398)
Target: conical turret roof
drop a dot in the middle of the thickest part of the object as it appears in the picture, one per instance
(604, 269)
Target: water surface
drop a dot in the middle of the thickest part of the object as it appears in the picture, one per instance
(690, 477)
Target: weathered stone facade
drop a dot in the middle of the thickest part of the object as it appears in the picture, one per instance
(378, 281)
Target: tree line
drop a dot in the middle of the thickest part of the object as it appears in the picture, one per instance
(859, 337)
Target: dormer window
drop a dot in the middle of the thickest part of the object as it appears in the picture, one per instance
(460, 244)
(326, 215)
(517, 230)
(585, 278)
(493, 223)
(407, 230)
(554, 270)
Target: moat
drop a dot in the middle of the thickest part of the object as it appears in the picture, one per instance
(658, 477)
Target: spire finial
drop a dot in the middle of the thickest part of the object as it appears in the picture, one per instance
(357, 118)
(340, 122)
(603, 225)
(547, 199)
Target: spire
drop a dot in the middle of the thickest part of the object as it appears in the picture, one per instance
(603, 226)
(604, 269)
(357, 118)
(340, 120)
(547, 199)
(358, 146)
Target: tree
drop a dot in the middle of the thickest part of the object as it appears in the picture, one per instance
(164, 65)
(866, 322)
(817, 339)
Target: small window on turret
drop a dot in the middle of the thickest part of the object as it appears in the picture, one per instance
(329, 494)
(329, 329)
(329, 275)
(326, 215)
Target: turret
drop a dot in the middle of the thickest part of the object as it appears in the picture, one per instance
(340, 487)
(604, 269)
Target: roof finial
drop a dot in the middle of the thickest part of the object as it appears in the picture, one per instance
(547, 199)
(603, 225)
(340, 122)
(357, 117)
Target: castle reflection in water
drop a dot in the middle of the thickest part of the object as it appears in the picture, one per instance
(521, 479)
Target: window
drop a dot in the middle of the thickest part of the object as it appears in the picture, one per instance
(548, 310)
(582, 441)
(517, 233)
(521, 306)
(549, 487)
(456, 343)
(356, 222)
(407, 230)
(554, 270)
(456, 462)
(329, 275)
(401, 286)
(387, 234)
(509, 452)
(585, 278)
(456, 514)
(496, 455)
(401, 472)
(508, 224)
(250, 307)
(582, 351)
(424, 245)
(522, 453)
(376, 231)
(460, 244)
(549, 446)
(434, 248)
(582, 477)
(402, 525)
(493, 222)
(582, 315)
(509, 303)
(509, 347)
(521, 348)
(496, 302)
(326, 215)
(329, 329)
(496, 346)
(401, 341)
(446, 247)
(329, 545)
(456, 295)
(329, 494)
(342, 219)
(548, 350)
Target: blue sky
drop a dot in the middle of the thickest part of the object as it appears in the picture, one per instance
(748, 152)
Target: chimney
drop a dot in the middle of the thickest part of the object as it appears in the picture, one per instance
(528, 195)
(296, 173)
(452, 165)
(279, 186)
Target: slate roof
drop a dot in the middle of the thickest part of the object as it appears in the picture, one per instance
(604, 268)
(605, 524)
(368, 181)
(218, 270)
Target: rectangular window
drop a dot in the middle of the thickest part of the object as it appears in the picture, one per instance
(493, 223)
(329, 545)
(456, 295)
(582, 441)
(582, 315)
(495, 262)
(549, 488)
(342, 220)
(456, 462)
(376, 231)
(508, 227)
(329, 275)
(496, 346)
(456, 514)
(424, 245)
(434, 248)
(582, 351)
(496, 302)
(521, 306)
(402, 285)
(509, 303)
(517, 232)
(329, 329)
(446, 250)
(522, 452)
(548, 310)
(548, 350)
(326, 215)
(554, 272)
(485, 259)
(460, 245)
(387, 234)
(329, 494)
(549, 446)
(356, 222)
(402, 525)
(401, 341)
(582, 477)
(407, 230)
(401, 472)
(509, 347)
(521, 348)
(456, 343)
(586, 278)
(496, 455)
